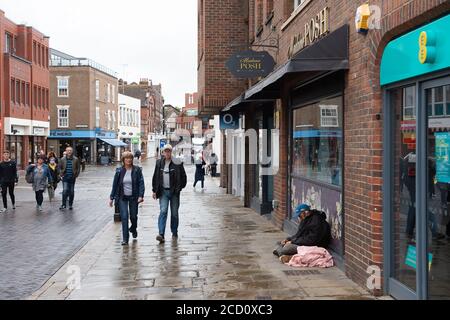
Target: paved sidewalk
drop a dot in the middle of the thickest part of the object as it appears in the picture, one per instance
(224, 252)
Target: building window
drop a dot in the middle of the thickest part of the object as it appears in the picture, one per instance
(63, 116)
(34, 52)
(97, 89)
(22, 93)
(329, 116)
(46, 58)
(8, 43)
(17, 91)
(317, 149)
(34, 96)
(27, 94)
(298, 3)
(63, 86)
(409, 103)
(269, 7)
(113, 120)
(438, 101)
(108, 92)
(259, 15)
(97, 116)
(113, 93)
(13, 90)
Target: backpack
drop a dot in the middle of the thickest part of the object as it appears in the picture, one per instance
(29, 177)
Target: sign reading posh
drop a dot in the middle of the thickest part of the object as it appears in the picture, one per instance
(250, 64)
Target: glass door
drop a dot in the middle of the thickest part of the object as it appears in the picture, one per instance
(436, 95)
(403, 207)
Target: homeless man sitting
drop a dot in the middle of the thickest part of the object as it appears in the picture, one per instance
(313, 230)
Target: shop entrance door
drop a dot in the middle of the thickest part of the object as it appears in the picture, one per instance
(435, 207)
(417, 188)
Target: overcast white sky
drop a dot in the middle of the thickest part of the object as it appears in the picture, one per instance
(154, 39)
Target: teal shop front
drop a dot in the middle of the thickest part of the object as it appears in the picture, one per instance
(415, 75)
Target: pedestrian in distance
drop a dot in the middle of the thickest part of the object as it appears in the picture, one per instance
(169, 178)
(54, 171)
(8, 180)
(213, 164)
(69, 167)
(138, 154)
(50, 155)
(200, 165)
(128, 192)
(39, 176)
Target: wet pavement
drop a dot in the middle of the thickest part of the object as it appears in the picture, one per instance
(224, 251)
(34, 244)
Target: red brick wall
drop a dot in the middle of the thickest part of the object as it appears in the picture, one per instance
(363, 133)
(225, 26)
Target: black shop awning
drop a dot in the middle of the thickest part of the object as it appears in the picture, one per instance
(328, 54)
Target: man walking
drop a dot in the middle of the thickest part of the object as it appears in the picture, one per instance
(169, 179)
(70, 169)
(8, 179)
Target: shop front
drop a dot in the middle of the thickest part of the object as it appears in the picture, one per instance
(310, 89)
(94, 146)
(415, 75)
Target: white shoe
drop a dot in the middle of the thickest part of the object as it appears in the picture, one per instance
(40, 209)
(3, 210)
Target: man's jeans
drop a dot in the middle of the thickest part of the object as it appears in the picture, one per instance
(128, 207)
(285, 250)
(68, 192)
(172, 199)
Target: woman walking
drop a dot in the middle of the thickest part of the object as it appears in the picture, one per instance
(127, 192)
(8, 179)
(200, 171)
(40, 177)
(55, 173)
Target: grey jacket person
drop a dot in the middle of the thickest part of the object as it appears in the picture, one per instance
(75, 166)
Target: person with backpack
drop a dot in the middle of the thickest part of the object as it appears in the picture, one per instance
(8, 180)
(40, 177)
(128, 192)
(313, 230)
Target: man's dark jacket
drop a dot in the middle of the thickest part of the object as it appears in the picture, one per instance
(178, 179)
(75, 166)
(137, 181)
(314, 230)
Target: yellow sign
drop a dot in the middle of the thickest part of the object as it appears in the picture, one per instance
(427, 50)
(315, 29)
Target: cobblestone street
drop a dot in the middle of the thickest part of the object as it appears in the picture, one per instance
(224, 251)
(35, 245)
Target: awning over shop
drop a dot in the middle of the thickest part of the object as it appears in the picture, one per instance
(238, 101)
(328, 54)
(114, 142)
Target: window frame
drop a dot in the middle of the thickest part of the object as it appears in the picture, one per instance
(59, 87)
(97, 89)
(67, 117)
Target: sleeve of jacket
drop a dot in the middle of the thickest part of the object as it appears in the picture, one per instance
(49, 175)
(183, 177)
(141, 184)
(112, 196)
(17, 172)
(78, 167)
(312, 236)
(155, 179)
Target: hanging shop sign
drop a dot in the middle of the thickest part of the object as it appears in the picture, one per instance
(229, 120)
(315, 29)
(250, 64)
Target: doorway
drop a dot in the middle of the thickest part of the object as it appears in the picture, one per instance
(417, 185)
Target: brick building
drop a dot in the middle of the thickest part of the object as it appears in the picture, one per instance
(24, 91)
(152, 102)
(351, 111)
(84, 108)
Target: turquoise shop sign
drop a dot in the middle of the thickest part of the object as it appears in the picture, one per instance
(411, 258)
(422, 51)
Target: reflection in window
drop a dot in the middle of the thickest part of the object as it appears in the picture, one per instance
(317, 141)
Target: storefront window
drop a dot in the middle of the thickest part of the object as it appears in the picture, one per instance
(317, 141)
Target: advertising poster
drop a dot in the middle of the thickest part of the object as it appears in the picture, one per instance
(442, 156)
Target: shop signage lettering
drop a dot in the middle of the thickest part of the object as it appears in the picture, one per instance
(427, 47)
(250, 64)
(315, 29)
(38, 131)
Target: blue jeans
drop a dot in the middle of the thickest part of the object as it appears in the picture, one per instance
(128, 207)
(68, 192)
(173, 199)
